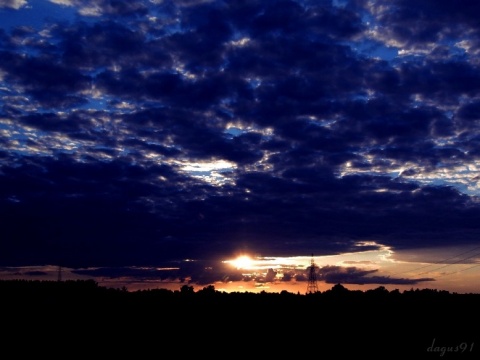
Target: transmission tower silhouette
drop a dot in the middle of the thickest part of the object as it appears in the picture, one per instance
(312, 277)
(59, 273)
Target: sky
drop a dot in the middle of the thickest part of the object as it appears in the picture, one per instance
(154, 144)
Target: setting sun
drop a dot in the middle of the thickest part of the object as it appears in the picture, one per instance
(242, 262)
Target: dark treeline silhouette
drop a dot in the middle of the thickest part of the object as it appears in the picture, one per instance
(416, 322)
(47, 293)
(87, 294)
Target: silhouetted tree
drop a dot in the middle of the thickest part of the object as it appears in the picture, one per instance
(208, 290)
(186, 290)
(339, 289)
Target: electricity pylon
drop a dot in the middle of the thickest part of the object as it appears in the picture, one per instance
(312, 278)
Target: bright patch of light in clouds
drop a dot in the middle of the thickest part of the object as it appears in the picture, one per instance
(210, 171)
(207, 166)
(241, 42)
(464, 177)
(380, 255)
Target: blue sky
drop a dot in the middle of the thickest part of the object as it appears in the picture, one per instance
(145, 133)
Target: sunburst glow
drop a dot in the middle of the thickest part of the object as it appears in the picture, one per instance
(242, 262)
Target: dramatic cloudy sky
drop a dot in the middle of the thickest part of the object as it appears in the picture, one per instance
(137, 135)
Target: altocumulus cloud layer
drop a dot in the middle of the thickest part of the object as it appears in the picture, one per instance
(133, 133)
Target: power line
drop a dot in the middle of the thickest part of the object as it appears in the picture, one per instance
(455, 272)
(456, 262)
(442, 262)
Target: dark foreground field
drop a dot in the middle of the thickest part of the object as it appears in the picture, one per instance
(75, 319)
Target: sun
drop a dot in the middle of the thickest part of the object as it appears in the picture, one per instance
(242, 262)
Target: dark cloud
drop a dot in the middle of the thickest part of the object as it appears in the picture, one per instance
(131, 273)
(55, 123)
(45, 79)
(105, 43)
(35, 273)
(430, 21)
(110, 8)
(353, 275)
(204, 273)
(105, 115)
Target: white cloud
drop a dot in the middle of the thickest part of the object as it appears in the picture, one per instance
(62, 2)
(13, 4)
